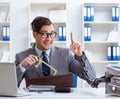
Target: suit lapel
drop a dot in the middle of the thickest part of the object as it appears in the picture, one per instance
(37, 70)
(54, 55)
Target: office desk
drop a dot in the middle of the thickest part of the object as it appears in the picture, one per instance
(83, 93)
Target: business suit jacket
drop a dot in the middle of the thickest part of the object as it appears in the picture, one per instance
(62, 59)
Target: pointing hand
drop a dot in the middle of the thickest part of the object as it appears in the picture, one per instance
(75, 47)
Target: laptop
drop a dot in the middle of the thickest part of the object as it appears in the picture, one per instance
(8, 80)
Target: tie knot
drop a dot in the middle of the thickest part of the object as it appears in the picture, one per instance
(43, 53)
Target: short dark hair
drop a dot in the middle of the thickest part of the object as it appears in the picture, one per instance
(38, 22)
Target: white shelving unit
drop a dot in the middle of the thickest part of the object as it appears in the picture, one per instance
(4, 21)
(96, 49)
(47, 9)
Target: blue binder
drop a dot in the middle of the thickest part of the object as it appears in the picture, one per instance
(85, 13)
(60, 33)
(114, 54)
(6, 33)
(85, 33)
(109, 55)
(91, 13)
(116, 13)
(88, 13)
(113, 13)
(118, 53)
(75, 80)
(89, 33)
(64, 33)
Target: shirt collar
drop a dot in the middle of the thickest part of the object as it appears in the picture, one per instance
(39, 52)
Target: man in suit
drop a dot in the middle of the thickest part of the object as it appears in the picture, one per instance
(62, 59)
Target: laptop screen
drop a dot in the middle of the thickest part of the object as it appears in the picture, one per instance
(8, 79)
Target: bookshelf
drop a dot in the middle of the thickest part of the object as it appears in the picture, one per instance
(4, 31)
(56, 12)
(96, 45)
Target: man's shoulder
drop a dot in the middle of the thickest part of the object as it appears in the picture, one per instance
(60, 48)
(26, 51)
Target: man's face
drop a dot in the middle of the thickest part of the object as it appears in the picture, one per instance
(42, 42)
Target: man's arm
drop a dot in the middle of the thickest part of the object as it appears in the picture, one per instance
(88, 71)
(82, 66)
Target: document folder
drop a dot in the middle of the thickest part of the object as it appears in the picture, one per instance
(58, 80)
(40, 88)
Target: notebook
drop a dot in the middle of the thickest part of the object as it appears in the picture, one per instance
(8, 81)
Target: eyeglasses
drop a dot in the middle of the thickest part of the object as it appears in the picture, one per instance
(46, 34)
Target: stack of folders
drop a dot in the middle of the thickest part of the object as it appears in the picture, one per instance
(88, 13)
(113, 53)
(113, 69)
(87, 33)
(113, 86)
(115, 13)
(62, 33)
(6, 33)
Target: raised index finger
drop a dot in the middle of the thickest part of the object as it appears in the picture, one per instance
(71, 38)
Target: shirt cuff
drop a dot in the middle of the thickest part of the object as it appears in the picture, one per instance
(82, 58)
(22, 68)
